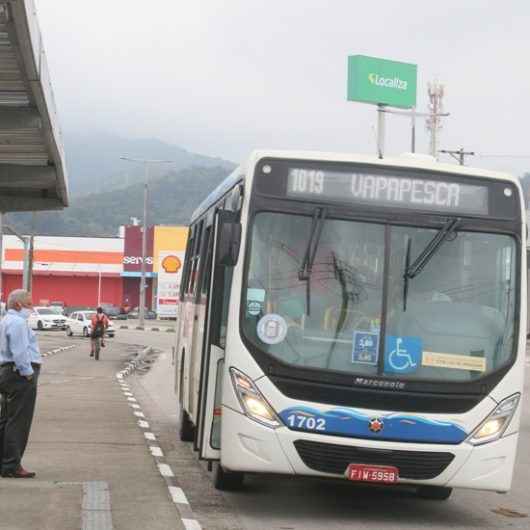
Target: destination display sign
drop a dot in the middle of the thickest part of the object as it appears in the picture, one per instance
(387, 190)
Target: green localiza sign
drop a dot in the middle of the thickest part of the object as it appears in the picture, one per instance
(380, 81)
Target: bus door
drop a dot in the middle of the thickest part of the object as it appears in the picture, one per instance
(197, 316)
(185, 321)
(223, 255)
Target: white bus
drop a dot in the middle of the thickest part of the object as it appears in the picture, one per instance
(355, 317)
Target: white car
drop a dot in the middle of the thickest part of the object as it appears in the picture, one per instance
(46, 318)
(80, 323)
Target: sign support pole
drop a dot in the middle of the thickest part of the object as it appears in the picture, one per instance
(413, 130)
(380, 130)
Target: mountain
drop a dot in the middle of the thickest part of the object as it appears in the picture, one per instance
(172, 199)
(94, 164)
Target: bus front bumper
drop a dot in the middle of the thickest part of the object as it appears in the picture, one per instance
(251, 447)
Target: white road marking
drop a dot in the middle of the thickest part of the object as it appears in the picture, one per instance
(191, 524)
(165, 470)
(156, 451)
(178, 495)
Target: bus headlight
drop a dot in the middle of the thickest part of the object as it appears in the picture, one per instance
(493, 427)
(252, 402)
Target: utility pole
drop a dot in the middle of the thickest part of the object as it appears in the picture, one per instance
(433, 122)
(143, 283)
(458, 154)
(31, 244)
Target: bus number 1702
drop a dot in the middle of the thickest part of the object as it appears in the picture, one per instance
(299, 421)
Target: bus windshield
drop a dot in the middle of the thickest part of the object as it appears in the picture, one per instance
(453, 322)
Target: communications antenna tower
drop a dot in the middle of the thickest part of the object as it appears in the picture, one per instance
(433, 122)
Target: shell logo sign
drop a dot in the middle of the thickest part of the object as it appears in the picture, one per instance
(171, 264)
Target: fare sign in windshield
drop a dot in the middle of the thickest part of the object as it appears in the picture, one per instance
(387, 190)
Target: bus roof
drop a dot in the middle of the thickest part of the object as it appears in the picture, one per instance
(412, 160)
(415, 160)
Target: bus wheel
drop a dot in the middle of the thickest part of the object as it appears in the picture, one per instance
(186, 429)
(227, 480)
(436, 493)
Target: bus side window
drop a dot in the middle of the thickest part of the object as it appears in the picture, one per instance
(189, 260)
(187, 266)
(202, 269)
(195, 259)
(207, 260)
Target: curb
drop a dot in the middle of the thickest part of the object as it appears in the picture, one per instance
(176, 493)
(57, 350)
(131, 366)
(139, 328)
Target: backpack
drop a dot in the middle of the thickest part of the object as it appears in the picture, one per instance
(99, 328)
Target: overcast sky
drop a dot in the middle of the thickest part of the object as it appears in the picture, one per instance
(222, 77)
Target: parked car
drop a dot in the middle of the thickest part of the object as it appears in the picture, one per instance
(135, 313)
(46, 318)
(80, 323)
(113, 312)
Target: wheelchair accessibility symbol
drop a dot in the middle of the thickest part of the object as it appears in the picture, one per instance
(402, 354)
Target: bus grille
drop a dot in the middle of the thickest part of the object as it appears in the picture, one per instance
(333, 458)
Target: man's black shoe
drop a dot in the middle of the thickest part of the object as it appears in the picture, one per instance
(91, 354)
(19, 473)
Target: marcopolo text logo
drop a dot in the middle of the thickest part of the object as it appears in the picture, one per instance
(389, 82)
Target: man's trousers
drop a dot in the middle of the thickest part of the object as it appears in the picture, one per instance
(17, 402)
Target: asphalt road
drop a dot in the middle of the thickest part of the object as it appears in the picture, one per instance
(283, 503)
(280, 503)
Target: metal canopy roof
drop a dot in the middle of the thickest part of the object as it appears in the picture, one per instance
(32, 167)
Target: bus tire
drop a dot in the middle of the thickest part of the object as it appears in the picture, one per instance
(435, 493)
(186, 427)
(227, 480)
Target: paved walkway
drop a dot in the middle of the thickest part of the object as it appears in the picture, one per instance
(93, 467)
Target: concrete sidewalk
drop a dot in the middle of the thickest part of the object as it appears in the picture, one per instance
(93, 466)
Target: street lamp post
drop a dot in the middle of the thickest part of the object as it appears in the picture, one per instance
(99, 284)
(143, 283)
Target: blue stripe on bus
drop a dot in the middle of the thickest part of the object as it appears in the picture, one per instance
(392, 427)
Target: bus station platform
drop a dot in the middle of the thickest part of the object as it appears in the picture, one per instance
(92, 460)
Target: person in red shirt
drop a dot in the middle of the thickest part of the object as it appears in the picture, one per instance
(100, 323)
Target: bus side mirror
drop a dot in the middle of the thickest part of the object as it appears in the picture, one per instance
(229, 239)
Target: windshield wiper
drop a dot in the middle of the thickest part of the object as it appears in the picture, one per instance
(411, 271)
(306, 268)
(430, 250)
(405, 277)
